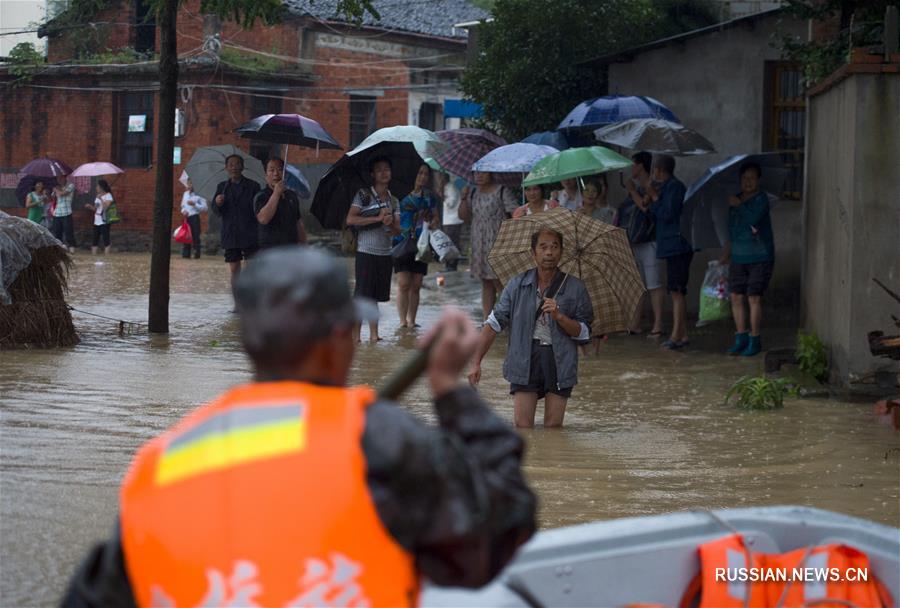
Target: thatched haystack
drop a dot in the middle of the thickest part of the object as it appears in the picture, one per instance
(34, 270)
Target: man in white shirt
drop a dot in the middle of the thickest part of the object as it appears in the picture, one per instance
(192, 206)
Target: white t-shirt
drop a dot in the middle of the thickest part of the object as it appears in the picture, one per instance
(99, 212)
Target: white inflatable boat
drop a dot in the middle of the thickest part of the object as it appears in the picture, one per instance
(653, 559)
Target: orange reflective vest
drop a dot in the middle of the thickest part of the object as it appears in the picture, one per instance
(260, 499)
(731, 576)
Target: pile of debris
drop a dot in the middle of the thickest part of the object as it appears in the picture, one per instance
(34, 269)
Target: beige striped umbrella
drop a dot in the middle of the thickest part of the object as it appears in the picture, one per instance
(594, 251)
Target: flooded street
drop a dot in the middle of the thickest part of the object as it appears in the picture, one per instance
(646, 430)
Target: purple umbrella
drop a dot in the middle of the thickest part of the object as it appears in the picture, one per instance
(26, 185)
(46, 167)
(464, 147)
(291, 129)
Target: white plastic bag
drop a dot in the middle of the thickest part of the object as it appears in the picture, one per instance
(444, 248)
(423, 253)
(715, 301)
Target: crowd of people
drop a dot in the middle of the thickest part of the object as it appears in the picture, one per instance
(446, 503)
(544, 331)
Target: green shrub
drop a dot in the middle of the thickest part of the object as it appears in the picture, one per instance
(760, 393)
(812, 356)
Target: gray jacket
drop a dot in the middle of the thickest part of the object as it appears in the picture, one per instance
(516, 310)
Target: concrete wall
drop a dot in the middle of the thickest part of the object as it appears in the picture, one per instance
(715, 84)
(852, 219)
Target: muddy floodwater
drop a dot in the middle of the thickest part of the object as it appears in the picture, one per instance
(646, 430)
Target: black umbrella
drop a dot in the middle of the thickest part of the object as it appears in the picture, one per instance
(26, 185)
(292, 129)
(342, 181)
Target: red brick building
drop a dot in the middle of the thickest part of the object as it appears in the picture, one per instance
(353, 80)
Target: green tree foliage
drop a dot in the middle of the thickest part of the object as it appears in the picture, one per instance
(24, 59)
(857, 23)
(527, 74)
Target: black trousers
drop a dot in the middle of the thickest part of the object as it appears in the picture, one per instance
(63, 228)
(101, 232)
(194, 222)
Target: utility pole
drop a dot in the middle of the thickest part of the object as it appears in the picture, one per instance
(158, 314)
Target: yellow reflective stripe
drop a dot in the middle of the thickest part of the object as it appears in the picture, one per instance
(221, 450)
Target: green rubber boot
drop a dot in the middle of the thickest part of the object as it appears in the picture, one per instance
(754, 346)
(740, 343)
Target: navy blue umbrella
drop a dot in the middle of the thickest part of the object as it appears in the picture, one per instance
(296, 181)
(554, 139)
(704, 219)
(26, 185)
(600, 111)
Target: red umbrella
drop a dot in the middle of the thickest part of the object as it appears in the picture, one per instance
(46, 167)
(464, 147)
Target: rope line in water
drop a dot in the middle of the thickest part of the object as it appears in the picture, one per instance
(131, 326)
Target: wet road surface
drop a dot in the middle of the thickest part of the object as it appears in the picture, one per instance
(646, 430)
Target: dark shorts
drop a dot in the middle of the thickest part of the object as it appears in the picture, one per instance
(750, 279)
(237, 254)
(409, 264)
(541, 375)
(678, 270)
(373, 276)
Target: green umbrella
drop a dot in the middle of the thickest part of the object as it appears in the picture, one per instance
(433, 164)
(425, 141)
(575, 162)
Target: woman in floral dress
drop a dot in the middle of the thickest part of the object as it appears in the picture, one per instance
(486, 206)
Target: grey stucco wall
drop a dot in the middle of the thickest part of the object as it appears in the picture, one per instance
(715, 84)
(852, 219)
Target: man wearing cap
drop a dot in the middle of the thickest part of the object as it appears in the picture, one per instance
(296, 490)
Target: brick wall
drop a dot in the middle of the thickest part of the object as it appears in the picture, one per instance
(78, 126)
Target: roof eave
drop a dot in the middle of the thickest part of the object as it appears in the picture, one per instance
(629, 54)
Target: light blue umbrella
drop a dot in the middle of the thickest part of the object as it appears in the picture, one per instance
(296, 181)
(512, 158)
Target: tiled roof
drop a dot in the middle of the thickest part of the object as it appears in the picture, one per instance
(428, 17)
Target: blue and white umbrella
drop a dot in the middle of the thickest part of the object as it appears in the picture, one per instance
(512, 158)
(296, 181)
(601, 111)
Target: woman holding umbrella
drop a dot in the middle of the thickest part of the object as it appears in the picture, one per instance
(486, 206)
(35, 201)
(415, 210)
(534, 202)
(101, 205)
(752, 255)
(372, 214)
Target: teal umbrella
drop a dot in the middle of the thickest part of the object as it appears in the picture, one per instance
(426, 143)
(575, 162)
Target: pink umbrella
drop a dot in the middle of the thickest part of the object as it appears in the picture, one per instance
(96, 169)
(83, 174)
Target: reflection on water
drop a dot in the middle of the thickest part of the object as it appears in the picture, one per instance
(646, 431)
